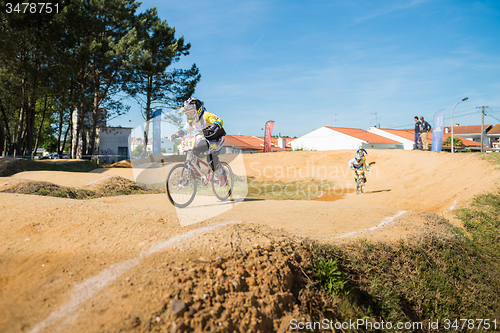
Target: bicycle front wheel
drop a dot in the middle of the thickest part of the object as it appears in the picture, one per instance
(181, 187)
(223, 191)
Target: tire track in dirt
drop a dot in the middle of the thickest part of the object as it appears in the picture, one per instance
(382, 224)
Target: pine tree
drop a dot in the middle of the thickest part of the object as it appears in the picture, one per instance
(149, 82)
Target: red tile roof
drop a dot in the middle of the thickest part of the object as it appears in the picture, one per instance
(469, 129)
(466, 142)
(408, 134)
(254, 143)
(363, 135)
(494, 130)
(233, 141)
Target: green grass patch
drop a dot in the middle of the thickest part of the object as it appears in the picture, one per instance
(267, 190)
(493, 158)
(482, 221)
(276, 190)
(330, 276)
(439, 275)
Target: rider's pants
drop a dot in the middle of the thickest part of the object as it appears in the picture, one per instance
(202, 146)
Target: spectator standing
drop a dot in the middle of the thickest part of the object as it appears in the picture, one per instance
(425, 128)
(417, 134)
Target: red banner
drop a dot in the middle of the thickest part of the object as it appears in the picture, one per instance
(267, 136)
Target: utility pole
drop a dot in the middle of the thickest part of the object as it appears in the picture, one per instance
(482, 127)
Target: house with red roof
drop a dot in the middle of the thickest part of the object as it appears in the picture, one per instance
(494, 136)
(335, 138)
(235, 144)
(406, 137)
(471, 132)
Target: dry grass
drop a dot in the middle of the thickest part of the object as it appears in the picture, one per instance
(437, 275)
(109, 187)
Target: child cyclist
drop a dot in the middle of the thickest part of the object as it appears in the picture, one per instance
(363, 153)
(211, 126)
(358, 163)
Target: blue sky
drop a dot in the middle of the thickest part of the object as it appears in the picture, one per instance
(307, 64)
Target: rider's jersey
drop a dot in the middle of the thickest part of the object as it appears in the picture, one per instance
(207, 120)
(362, 151)
(354, 164)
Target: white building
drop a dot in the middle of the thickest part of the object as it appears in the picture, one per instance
(335, 138)
(112, 143)
(494, 136)
(403, 136)
(167, 145)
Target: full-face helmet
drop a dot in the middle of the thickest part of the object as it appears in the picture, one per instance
(193, 108)
(358, 157)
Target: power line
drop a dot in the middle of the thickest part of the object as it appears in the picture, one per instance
(465, 112)
(489, 115)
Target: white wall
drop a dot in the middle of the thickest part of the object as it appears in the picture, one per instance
(475, 138)
(324, 138)
(407, 144)
(112, 138)
(382, 146)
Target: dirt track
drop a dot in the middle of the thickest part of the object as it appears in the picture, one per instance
(52, 247)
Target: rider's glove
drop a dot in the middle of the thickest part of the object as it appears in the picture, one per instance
(214, 127)
(208, 133)
(175, 136)
(367, 169)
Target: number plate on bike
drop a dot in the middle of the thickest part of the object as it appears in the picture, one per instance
(188, 143)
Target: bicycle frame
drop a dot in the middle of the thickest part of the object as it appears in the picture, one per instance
(190, 158)
(360, 173)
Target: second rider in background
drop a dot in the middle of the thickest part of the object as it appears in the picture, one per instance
(363, 153)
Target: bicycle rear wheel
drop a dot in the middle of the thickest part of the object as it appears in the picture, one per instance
(181, 189)
(223, 192)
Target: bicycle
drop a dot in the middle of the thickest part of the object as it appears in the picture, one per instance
(182, 180)
(360, 181)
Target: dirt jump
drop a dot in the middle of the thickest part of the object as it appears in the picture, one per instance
(124, 262)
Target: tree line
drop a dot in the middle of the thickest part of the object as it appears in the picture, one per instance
(59, 70)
